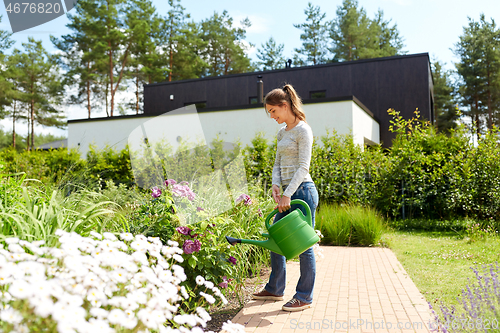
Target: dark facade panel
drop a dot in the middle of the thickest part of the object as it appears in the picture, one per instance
(403, 83)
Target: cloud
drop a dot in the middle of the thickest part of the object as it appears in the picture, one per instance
(259, 23)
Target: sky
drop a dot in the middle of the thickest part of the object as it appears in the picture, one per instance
(427, 26)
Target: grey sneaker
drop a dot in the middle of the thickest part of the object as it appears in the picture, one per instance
(266, 295)
(295, 305)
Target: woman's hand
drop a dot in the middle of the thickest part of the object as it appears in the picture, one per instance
(276, 193)
(284, 204)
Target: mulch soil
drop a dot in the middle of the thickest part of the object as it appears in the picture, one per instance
(227, 312)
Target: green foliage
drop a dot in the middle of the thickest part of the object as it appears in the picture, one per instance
(343, 172)
(271, 55)
(314, 42)
(446, 108)
(35, 212)
(153, 216)
(479, 69)
(259, 161)
(225, 54)
(350, 225)
(355, 36)
(108, 164)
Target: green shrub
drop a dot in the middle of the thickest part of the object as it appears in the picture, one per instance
(350, 224)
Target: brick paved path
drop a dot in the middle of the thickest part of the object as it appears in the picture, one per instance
(357, 290)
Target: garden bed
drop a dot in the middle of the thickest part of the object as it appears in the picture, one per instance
(222, 314)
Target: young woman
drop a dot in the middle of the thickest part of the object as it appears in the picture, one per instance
(291, 172)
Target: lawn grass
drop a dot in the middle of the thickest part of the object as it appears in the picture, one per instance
(439, 263)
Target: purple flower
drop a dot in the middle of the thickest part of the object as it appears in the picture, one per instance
(232, 260)
(155, 192)
(190, 246)
(259, 212)
(184, 230)
(199, 209)
(245, 198)
(170, 182)
(183, 191)
(224, 282)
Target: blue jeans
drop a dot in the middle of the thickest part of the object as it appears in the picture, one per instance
(304, 291)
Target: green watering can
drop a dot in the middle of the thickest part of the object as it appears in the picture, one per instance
(290, 236)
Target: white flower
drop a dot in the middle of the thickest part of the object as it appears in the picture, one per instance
(184, 293)
(178, 258)
(95, 235)
(129, 323)
(16, 248)
(233, 328)
(20, 289)
(12, 240)
(109, 236)
(172, 243)
(119, 275)
(210, 299)
(199, 280)
(203, 314)
(209, 284)
(141, 238)
(99, 313)
(126, 236)
(116, 316)
(11, 316)
(99, 325)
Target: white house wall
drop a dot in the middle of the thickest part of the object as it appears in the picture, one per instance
(344, 116)
(364, 127)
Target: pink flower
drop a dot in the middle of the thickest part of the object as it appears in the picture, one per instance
(245, 198)
(155, 192)
(190, 246)
(183, 191)
(260, 212)
(224, 282)
(184, 230)
(199, 209)
(170, 182)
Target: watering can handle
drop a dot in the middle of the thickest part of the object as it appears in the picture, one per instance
(294, 201)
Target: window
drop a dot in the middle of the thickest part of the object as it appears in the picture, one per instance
(317, 94)
(199, 105)
(254, 100)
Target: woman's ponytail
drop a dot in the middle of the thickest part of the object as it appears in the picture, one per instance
(286, 94)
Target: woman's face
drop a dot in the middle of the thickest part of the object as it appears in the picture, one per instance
(280, 113)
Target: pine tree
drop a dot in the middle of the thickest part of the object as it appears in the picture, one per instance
(271, 55)
(146, 61)
(82, 62)
(355, 36)
(41, 85)
(314, 32)
(183, 44)
(479, 68)
(225, 51)
(5, 86)
(445, 105)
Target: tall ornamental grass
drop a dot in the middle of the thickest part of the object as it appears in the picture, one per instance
(33, 212)
(350, 224)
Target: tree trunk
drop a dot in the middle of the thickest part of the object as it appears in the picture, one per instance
(171, 64)
(28, 136)
(478, 132)
(32, 124)
(137, 91)
(14, 126)
(107, 89)
(111, 77)
(88, 88)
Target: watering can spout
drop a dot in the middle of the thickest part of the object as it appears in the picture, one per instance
(269, 244)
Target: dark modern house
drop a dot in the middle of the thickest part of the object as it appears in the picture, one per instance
(403, 83)
(348, 97)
